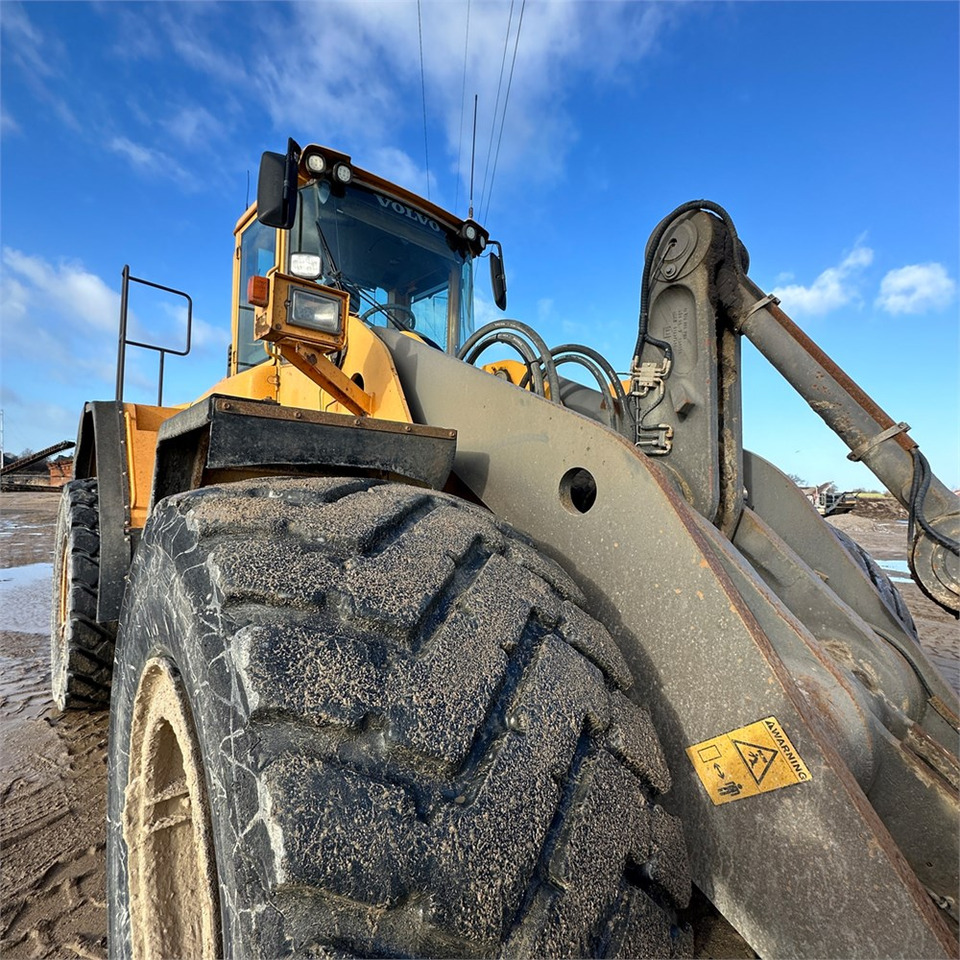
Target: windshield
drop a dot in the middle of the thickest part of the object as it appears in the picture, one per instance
(391, 258)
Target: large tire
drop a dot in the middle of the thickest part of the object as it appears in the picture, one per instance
(81, 647)
(889, 594)
(395, 732)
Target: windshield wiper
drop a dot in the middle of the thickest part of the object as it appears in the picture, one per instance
(343, 283)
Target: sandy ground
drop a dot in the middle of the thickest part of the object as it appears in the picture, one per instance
(53, 768)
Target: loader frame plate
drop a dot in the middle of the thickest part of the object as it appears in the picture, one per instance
(680, 600)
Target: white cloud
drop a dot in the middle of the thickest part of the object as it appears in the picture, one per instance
(151, 162)
(835, 287)
(202, 334)
(13, 295)
(42, 59)
(368, 95)
(65, 287)
(193, 126)
(63, 314)
(61, 322)
(545, 310)
(396, 165)
(185, 22)
(46, 343)
(25, 42)
(137, 154)
(8, 124)
(916, 289)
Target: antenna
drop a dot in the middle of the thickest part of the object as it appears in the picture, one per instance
(473, 154)
(247, 204)
(463, 95)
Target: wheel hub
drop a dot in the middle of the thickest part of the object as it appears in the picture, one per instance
(171, 869)
(59, 650)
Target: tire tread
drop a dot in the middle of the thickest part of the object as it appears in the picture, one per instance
(82, 654)
(442, 756)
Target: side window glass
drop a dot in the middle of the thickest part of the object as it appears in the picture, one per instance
(258, 253)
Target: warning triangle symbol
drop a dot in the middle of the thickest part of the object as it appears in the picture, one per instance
(757, 759)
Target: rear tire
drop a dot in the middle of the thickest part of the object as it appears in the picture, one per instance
(889, 594)
(413, 739)
(81, 647)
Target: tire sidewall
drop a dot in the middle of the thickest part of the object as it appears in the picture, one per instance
(166, 614)
(886, 589)
(59, 655)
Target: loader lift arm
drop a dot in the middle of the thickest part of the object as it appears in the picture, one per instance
(699, 237)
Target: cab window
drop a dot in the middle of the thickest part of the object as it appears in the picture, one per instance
(258, 253)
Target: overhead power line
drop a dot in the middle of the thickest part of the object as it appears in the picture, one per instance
(503, 114)
(496, 106)
(506, 100)
(423, 96)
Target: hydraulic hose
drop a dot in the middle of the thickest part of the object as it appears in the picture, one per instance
(653, 244)
(499, 325)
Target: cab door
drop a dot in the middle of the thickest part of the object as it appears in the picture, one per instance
(258, 250)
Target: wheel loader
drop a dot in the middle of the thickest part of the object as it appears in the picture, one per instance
(410, 651)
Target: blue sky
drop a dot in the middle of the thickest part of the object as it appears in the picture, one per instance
(828, 130)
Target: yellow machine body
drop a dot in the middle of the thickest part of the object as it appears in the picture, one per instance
(366, 363)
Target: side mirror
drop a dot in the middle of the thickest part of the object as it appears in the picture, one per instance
(277, 187)
(498, 279)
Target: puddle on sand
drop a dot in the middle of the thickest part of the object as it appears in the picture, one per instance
(13, 530)
(897, 570)
(25, 598)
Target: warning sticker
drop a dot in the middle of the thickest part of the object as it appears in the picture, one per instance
(755, 759)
